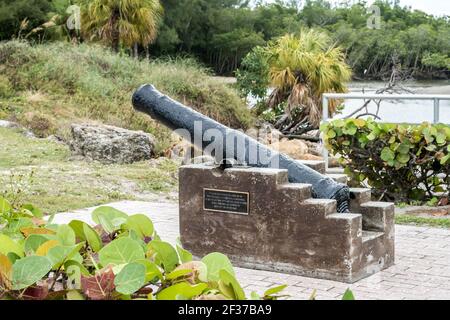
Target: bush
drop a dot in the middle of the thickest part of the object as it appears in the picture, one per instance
(5, 87)
(82, 82)
(122, 258)
(253, 76)
(401, 162)
(40, 124)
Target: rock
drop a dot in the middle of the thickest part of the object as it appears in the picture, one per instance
(28, 134)
(12, 125)
(154, 163)
(310, 157)
(293, 148)
(110, 144)
(199, 160)
(8, 124)
(179, 150)
(265, 135)
(314, 148)
(56, 139)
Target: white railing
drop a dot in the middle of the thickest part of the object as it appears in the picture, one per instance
(358, 96)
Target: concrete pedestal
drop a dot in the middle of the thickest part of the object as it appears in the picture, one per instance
(261, 221)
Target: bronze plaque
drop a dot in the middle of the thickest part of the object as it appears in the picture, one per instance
(226, 201)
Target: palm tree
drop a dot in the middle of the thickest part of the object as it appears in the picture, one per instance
(302, 68)
(126, 22)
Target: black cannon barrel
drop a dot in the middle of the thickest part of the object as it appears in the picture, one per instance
(234, 144)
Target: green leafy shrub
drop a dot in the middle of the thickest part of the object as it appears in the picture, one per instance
(401, 162)
(82, 82)
(253, 76)
(5, 87)
(122, 258)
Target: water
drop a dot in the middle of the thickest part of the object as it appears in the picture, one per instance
(409, 111)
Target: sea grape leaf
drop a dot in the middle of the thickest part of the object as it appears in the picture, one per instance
(151, 270)
(387, 154)
(109, 218)
(60, 254)
(34, 211)
(230, 281)
(45, 247)
(185, 256)
(141, 224)
(29, 270)
(178, 274)
(29, 231)
(8, 245)
(182, 288)
(66, 235)
(5, 273)
(216, 262)
(275, 290)
(130, 279)
(100, 286)
(5, 206)
(83, 269)
(199, 271)
(33, 242)
(74, 295)
(73, 273)
(348, 295)
(36, 292)
(85, 232)
(16, 225)
(165, 255)
(13, 257)
(121, 251)
(403, 158)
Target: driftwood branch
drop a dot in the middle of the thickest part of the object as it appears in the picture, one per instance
(302, 137)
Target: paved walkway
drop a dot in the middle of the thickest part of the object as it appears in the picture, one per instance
(422, 269)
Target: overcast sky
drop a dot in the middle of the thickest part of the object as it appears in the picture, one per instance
(436, 7)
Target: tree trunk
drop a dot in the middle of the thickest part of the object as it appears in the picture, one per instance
(135, 50)
(115, 32)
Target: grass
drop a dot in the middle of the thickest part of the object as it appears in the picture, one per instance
(40, 172)
(421, 221)
(47, 87)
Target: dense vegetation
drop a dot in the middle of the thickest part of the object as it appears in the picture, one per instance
(47, 87)
(122, 258)
(300, 68)
(222, 32)
(401, 162)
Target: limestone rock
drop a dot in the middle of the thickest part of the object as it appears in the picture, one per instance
(266, 135)
(12, 125)
(293, 148)
(110, 144)
(8, 124)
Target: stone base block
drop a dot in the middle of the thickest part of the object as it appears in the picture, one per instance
(261, 221)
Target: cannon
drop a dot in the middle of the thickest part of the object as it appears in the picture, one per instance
(234, 144)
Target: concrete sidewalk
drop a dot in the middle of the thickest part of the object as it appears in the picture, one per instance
(422, 269)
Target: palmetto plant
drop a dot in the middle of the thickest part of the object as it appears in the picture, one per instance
(126, 22)
(302, 68)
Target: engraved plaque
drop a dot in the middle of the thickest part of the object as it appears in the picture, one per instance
(226, 201)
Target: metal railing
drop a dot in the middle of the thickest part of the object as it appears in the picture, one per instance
(358, 96)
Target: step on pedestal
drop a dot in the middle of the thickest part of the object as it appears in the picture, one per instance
(339, 178)
(319, 166)
(261, 221)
